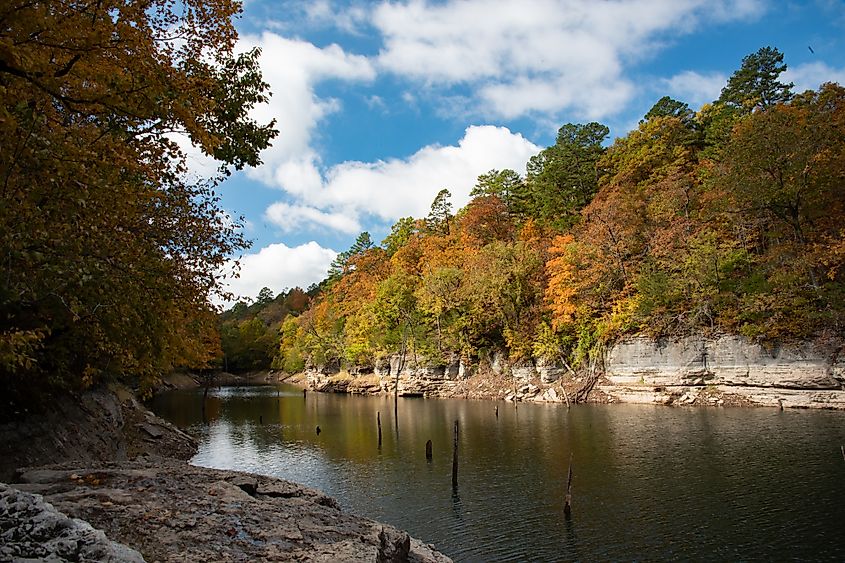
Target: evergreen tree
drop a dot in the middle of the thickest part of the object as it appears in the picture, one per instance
(441, 213)
(755, 85)
(506, 184)
(265, 296)
(563, 178)
(341, 264)
(669, 107)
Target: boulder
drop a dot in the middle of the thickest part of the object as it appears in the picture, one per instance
(32, 529)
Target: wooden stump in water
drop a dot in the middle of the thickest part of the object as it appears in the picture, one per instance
(378, 421)
(318, 431)
(428, 455)
(567, 501)
(455, 459)
(497, 411)
(260, 419)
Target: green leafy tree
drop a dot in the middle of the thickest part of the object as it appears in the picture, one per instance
(563, 178)
(265, 296)
(400, 233)
(249, 345)
(343, 262)
(506, 184)
(754, 86)
(669, 107)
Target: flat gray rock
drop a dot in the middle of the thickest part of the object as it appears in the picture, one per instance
(171, 511)
(33, 530)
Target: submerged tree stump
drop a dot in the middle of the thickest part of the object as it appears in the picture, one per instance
(455, 459)
(428, 454)
(378, 422)
(567, 500)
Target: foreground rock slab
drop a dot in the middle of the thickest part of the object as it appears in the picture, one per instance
(171, 511)
(32, 530)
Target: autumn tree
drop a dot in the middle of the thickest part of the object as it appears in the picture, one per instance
(250, 333)
(658, 234)
(108, 244)
(782, 176)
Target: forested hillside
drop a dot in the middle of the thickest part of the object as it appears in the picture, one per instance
(249, 333)
(728, 219)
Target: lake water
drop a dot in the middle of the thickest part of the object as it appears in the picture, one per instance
(649, 482)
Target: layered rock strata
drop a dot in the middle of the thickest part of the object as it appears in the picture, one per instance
(723, 370)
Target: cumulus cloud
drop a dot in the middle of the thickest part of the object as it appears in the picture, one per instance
(696, 88)
(389, 189)
(400, 187)
(538, 56)
(293, 68)
(279, 266)
(292, 218)
(810, 76)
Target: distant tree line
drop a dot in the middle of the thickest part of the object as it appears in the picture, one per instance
(249, 333)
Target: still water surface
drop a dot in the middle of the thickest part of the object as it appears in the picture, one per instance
(649, 482)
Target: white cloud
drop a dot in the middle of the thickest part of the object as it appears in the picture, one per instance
(400, 187)
(278, 266)
(538, 56)
(375, 102)
(810, 76)
(200, 165)
(397, 188)
(293, 68)
(291, 218)
(696, 88)
(699, 88)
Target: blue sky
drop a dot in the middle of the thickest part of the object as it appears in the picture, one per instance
(382, 104)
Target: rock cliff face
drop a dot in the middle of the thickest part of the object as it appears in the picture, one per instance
(724, 370)
(726, 360)
(414, 378)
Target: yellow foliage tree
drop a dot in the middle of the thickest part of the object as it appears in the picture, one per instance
(110, 252)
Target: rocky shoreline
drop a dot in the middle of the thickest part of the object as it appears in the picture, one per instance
(167, 510)
(100, 478)
(716, 371)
